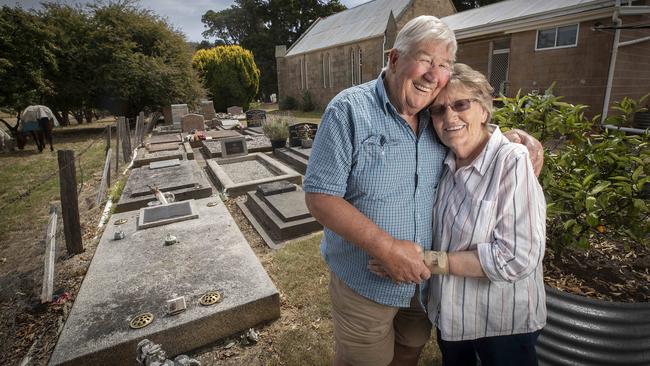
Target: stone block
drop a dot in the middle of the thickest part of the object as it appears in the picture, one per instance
(212, 148)
(178, 111)
(207, 110)
(192, 122)
(169, 146)
(164, 163)
(234, 110)
(268, 189)
(234, 146)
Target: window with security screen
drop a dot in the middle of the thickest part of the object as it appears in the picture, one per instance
(557, 37)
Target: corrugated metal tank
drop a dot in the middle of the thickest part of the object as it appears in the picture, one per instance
(583, 331)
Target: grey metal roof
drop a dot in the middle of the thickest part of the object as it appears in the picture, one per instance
(361, 22)
(513, 10)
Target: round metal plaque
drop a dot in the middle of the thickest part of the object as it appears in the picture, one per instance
(213, 203)
(120, 222)
(141, 321)
(210, 298)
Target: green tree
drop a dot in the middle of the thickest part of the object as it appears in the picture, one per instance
(258, 25)
(140, 61)
(26, 59)
(229, 74)
(73, 82)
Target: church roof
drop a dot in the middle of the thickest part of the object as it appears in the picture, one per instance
(511, 14)
(361, 22)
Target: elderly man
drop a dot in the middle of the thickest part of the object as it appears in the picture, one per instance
(371, 181)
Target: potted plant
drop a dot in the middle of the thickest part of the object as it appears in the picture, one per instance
(277, 130)
(597, 263)
(306, 140)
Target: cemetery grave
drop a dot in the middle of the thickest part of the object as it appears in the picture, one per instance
(178, 111)
(254, 143)
(278, 212)
(162, 151)
(183, 178)
(207, 109)
(181, 275)
(241, 174)
(192, 122)
(297, 157)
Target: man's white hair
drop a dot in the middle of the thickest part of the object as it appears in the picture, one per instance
(425, 28)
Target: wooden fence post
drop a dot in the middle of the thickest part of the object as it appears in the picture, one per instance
(106, 178)
(136, 132)
(49, 256)
(117, 147)
(126, 145)
(69, 203)
(108, 139)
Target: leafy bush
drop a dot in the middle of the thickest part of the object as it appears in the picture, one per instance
(308, 104)
(288, 103)
(230, 74)
(595, 182)
(626, 108)
(276, 128)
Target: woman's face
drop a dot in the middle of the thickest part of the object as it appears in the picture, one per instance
(459, 120)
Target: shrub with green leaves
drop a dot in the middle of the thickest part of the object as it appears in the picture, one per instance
(626, 109)
(594, 180)
(308, 104)
(230, 75)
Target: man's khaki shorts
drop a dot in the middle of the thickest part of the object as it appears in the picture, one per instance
(365, 331)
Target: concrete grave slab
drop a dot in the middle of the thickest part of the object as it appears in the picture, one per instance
(164, 130)
(254, 131)
(212, 148)
(162, 147)
(279, 217)
(296, 157)
(185, 181)
(164, 163)
(166, 214)
(221, 134)
(163, 139)
(178, 111)
(238, 175)
(192, 121)
(144, 157)
(140, 274)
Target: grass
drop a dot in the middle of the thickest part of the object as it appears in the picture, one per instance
(31, 180)
(302, 278)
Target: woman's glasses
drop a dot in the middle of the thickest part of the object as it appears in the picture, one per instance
(459, 105)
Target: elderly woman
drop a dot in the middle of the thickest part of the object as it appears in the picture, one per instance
(488, 300)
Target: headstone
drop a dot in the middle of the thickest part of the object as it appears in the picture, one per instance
(235, 146)
(272, 188)
(298, 131)
(255, 117)
(164, 163)
(207, 110)
(167, 112)
(234, 110)
(178, 111)
(191, 122)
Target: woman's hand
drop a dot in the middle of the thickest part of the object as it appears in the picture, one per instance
(535, 148)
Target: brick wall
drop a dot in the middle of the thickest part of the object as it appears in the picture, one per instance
(438, 8)
(341, 73)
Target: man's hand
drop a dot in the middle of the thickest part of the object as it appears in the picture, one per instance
(402, 263)
(535, 148)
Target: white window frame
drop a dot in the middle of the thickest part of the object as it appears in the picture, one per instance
(352, 66)
(556, 30)
(359, 63)
(329, 70)
(302, 73)
(322, 65)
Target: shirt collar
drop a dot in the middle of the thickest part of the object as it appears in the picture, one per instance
(482, 161)
(387, 106)
(380, 89)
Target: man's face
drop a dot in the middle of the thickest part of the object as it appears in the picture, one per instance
(418, 76)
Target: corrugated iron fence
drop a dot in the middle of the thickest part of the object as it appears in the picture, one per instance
(583, 331)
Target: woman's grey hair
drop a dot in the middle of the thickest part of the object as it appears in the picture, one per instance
(475, 83)
(425, 28)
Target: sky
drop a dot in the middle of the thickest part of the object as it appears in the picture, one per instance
(184, 15)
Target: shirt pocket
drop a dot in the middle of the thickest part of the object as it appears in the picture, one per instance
(379, 166)
(473, 223)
